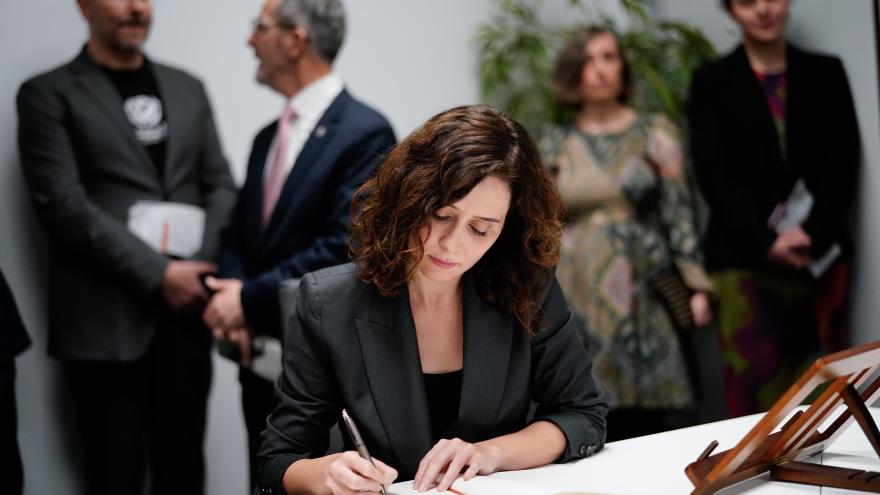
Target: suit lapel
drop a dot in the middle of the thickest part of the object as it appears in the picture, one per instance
(174, 103)
(308, 160)
(753, 99)
(97, 86)
(256, 170)
(488, 341)
(390, 351)
(794, 103)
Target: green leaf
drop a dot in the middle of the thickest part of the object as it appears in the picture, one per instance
(516, 51)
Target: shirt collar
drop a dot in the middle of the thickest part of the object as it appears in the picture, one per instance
(313, 100)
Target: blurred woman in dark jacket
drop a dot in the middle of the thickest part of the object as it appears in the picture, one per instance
(770, 122)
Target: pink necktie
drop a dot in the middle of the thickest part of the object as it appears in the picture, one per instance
(275, 178)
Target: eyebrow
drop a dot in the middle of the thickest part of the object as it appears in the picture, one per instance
(485, 219)
(489, 219)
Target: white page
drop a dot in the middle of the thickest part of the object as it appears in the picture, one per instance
(488, 485)
(819, 266)
(794, 211)
(176, 229)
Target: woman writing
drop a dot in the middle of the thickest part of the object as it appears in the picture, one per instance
(621, 175)
(444, 330)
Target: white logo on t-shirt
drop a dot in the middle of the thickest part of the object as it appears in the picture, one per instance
(144, 112)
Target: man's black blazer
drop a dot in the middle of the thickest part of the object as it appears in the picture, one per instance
(308, 228)
(740, 167)
(349, 347)
(85, 168)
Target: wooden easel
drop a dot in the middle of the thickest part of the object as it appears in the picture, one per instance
(851, 383)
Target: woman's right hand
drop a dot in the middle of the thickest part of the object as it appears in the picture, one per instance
(791, 248)
(351, 474)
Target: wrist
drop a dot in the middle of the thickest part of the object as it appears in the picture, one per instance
(308, 475)
(492, 453)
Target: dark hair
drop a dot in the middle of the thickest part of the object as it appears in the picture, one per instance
(569, 67)
(439, 164)
(726, 4)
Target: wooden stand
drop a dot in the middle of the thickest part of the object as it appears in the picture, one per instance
(851, 382)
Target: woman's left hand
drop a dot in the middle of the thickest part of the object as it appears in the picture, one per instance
(701, 308)
(454, 455)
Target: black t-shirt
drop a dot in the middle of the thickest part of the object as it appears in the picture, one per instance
(142, 105)
(444, 396)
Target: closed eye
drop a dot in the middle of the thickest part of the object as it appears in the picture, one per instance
(441, 218)
(478, 232)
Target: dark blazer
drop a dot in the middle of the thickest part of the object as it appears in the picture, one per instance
(349, 347)
(739, 164)
(13, 336)
(308, 229)
(85, 168)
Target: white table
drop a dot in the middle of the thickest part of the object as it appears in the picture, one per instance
(654, 464)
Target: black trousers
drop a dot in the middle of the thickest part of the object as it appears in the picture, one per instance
(147, 412)
(257, 401)
(11, 477)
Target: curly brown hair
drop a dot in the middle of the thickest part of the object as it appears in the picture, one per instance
(568, 69)
(439, 164)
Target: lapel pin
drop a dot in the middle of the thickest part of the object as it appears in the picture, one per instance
(320, 131)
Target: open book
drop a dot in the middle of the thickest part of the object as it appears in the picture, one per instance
(488, 485)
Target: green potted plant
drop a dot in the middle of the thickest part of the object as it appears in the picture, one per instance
(517, 49)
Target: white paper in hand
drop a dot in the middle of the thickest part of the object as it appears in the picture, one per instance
(174, 229)
(791, 214)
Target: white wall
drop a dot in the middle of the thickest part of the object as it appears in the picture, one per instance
(408, 58)
(844, 29)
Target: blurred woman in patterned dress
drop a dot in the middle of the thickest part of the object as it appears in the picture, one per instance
(621, 175)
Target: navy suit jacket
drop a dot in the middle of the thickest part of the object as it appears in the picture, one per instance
(308, 228)
(350, 347)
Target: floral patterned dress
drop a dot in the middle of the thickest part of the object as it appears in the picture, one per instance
(629, 213)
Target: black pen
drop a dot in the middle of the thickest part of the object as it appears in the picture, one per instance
(358, 442)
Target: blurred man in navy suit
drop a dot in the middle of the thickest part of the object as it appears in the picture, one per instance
(292, 214)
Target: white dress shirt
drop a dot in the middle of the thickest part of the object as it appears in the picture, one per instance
(309, 105)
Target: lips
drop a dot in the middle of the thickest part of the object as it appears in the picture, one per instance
(440, 262)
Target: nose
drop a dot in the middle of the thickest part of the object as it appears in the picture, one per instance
(450, 238)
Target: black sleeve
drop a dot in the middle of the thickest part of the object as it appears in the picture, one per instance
(562, 381)
(834, 186)
(215, 182)
(308, 404)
